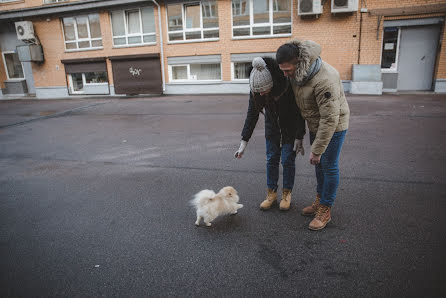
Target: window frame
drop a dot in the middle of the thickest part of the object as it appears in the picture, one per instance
(188, 80)
(233, 72)
(9, 1)
(56, 1)
(127, 35)
(84, 83)
(271, 23)
(76, 41)
(6, 67)
(390, 70)
(185, 30)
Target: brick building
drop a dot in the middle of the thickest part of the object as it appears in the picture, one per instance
(56, 48)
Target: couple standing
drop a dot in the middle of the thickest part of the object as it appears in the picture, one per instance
(295, 87)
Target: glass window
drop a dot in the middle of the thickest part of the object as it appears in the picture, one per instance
(261, 11)
(261, 18)
(96, 77)
(390, 46)
(196, 72)
(200, 21)
(13, 66)
(78, 82)
(240, 12)
(179, 72)
(82, 32)
(241, 70)
(133, 26)
(192, 14)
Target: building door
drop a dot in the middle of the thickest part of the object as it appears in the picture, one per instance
(418, 52)
(137, 74)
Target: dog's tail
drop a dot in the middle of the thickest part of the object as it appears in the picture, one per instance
(202, 198)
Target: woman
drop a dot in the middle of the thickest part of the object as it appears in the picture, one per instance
(284, 127)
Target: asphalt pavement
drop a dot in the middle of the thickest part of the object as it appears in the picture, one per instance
(94, 202)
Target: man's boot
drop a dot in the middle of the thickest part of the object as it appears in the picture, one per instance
(286, 200)
(271, 198)
(321, 219)
(311, 210)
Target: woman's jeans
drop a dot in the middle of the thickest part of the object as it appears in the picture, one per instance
(273, 154)
(327, 171)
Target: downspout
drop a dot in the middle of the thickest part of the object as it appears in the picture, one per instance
(161, 45)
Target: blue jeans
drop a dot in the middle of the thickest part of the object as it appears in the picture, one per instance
(273, 154)
(327, 171)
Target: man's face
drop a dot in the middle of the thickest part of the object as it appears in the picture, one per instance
(288, 68)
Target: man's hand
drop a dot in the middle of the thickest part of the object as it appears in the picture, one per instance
(241, 149)
(299, 147)
(315, 159)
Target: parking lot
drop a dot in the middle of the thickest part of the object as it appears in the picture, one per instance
(94, 201)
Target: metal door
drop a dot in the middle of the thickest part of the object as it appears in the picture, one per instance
(137, 75)
(417, 55)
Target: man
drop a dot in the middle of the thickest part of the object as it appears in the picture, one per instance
(284, 127)
(320, 97)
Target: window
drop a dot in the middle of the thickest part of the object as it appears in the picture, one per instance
(14, 68)
(265, 18)
(390, 48)
(195, 72)
(133, 26)
(79, 82)
(240, 70)
(193, 21)
(53, 1)
(82, 32)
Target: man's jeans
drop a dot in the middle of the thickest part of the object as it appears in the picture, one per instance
(273, 154)
(327, 171)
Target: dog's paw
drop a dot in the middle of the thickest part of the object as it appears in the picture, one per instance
(208, 224)
(197, 223)
(234, 213)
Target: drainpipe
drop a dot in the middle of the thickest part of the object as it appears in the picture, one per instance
(161, 44)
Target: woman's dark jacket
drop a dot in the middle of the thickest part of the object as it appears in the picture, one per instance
(282, 116)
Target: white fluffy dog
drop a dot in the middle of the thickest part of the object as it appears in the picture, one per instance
(210, 205)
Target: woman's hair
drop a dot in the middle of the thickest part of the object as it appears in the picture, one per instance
(287, 53)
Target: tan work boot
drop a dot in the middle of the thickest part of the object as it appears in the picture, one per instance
(321, 219)
(286, 200)
(311, 210)
(271, 198)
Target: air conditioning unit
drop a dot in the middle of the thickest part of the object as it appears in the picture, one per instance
(309, 7)
(25, 30)
(344, 6)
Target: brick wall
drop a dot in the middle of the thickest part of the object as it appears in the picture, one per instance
(341, 37)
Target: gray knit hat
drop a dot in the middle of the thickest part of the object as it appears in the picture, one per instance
(260, 79)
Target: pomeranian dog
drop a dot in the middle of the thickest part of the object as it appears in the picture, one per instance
(210, 205)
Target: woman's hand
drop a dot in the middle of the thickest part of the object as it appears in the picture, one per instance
(241, 149)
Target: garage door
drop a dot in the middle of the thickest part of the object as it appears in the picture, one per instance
(139, 74)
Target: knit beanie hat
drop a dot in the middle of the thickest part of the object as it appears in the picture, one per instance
(260, 79)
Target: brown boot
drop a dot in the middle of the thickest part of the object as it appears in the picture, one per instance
(271, 198)
(311, 210)
(286, 200)
(321, 219)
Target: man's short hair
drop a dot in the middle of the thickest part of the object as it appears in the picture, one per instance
(287, 53)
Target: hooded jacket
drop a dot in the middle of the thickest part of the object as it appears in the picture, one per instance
(282, 116)
(321, 99)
